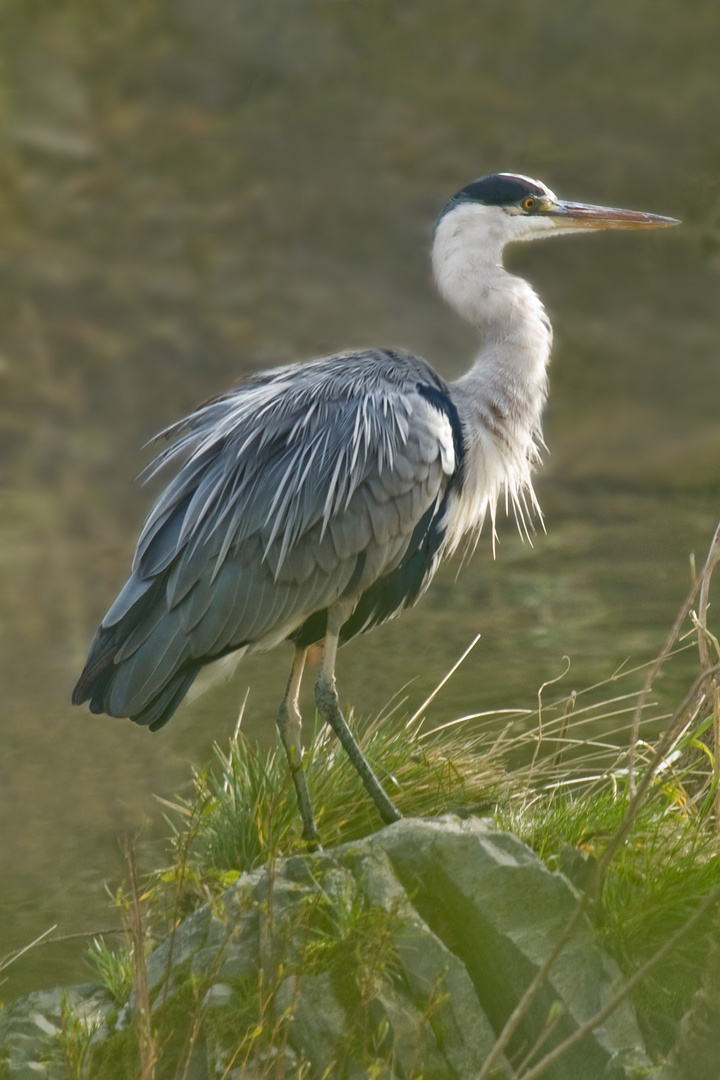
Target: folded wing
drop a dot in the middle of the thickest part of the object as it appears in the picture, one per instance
(306, 484)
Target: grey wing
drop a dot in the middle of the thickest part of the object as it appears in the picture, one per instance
(307, 484)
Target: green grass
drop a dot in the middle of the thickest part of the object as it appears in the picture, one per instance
(113, 967)
(243, 809)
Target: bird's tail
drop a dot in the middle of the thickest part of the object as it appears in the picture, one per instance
(116, 679)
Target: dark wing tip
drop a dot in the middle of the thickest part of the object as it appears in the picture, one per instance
(80, 693)
(165, 704)
(102, 653)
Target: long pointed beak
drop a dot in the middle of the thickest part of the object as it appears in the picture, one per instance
(572, 215)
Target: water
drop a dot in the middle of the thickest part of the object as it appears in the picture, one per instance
(187, 195)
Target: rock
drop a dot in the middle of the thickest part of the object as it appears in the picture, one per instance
(496, 906)
(400, 954)
(31, 1030)
(319, 1022)
(430, 970)
(696, 1055)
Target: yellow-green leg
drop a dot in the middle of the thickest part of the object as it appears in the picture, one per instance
(289, 722)
(328, 705)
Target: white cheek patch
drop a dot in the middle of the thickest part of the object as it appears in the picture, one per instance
(535, 227)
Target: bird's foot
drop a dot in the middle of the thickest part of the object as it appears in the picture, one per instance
(289, 725)
(310, 833)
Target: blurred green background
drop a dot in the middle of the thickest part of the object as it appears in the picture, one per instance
(198, 188)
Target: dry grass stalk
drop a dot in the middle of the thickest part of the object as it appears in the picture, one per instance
(6, 961)
(579, 1034)
(702, 582)
(705, 640)
(134, 927)
(597, 878)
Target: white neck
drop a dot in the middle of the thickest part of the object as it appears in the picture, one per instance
(500, 399)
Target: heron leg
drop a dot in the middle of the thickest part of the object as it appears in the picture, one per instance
(326, 698)
(289, 723)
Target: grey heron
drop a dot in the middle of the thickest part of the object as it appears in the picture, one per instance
(316, 500)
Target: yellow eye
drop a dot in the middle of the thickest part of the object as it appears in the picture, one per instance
(530, 203)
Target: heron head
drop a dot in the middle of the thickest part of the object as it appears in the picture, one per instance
(509, 207)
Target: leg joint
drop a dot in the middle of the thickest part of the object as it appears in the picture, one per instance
(326, 697)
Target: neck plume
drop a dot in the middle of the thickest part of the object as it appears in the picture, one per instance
(501, 398)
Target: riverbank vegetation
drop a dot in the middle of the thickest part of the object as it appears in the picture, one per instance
(635, 829)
